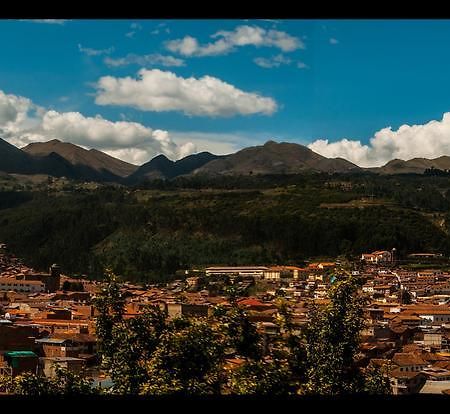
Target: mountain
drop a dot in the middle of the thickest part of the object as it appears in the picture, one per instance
(162, 167)
(85, 160)
(14, 160)
(413, 166)
(275, 158)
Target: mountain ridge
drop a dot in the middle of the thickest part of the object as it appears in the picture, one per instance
(78, 156)
(59, 159)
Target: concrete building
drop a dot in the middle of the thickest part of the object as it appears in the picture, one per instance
(254, 271)
(29, 286)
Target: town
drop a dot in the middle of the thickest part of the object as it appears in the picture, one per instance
(48, 319)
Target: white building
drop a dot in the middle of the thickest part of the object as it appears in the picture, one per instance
(255, 271)
(31, 286)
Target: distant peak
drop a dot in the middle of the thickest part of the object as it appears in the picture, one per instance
(270, 142)
(161, 157)
(54, 141)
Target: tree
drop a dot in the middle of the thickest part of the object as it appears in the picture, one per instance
(65, 383)
(261, 378)
(73, 286)
(149, 354)
(241, 334)
(405, 297)
(377, 381)
(333, 340)
(290, 346)
(188, 360)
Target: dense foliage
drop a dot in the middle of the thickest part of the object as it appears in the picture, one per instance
(149, 233)
(64, 383)
(154, 355)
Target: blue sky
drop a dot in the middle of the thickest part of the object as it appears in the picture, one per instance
(338, 80)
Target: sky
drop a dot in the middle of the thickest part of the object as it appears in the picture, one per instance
(365, 90)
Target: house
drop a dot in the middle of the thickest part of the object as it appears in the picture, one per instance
(20, 361)
(404, 383)
(17, 337)
(48, 365)
(55, 326)
(435, 317)
(409, 362)
(31, 286)
(378, 257)
(255, 304)
(175, 310)
(67, 345)
(437, 380)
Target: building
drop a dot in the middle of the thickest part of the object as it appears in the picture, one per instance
(175, 310)
(67, 345)
(20, 362)
(51, 280)
(17, 337)
(48, 365)
(29, 286)
(378, 257)
(254, 271)
(278, 272)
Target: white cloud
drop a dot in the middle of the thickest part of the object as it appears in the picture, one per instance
(333, 41)
(16, 114)
(273, 62)
(46, 21)
(22, 122)
(430, 140)
(144, 60)
(135, 27)
(160, 28)
(228, 41)
(95, 52)
(159, 91)
(302, 65)
(217, 143)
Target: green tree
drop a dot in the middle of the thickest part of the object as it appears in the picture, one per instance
(261, 378)
(188, 360)
(64, 382)
(333, 337)
(377, 381)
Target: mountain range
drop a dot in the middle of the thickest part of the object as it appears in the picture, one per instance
(60, 159)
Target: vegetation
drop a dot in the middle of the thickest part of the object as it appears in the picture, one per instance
(147, 234)
(65, 383)
(154, 355)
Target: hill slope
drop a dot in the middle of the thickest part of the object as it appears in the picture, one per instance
(77, 156)
(162, 167)
(415, 165)
(275, 158)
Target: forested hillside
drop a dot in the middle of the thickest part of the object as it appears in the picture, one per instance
(149, 233)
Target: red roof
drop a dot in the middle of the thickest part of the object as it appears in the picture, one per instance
(251, 302)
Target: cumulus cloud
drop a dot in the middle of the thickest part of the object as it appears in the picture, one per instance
(22, 122)
(219, 143)
(144, 60)
(228, 41)
(17, 114)
(95, 52)
(430, 140)
(273, 62)
(159, 91)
